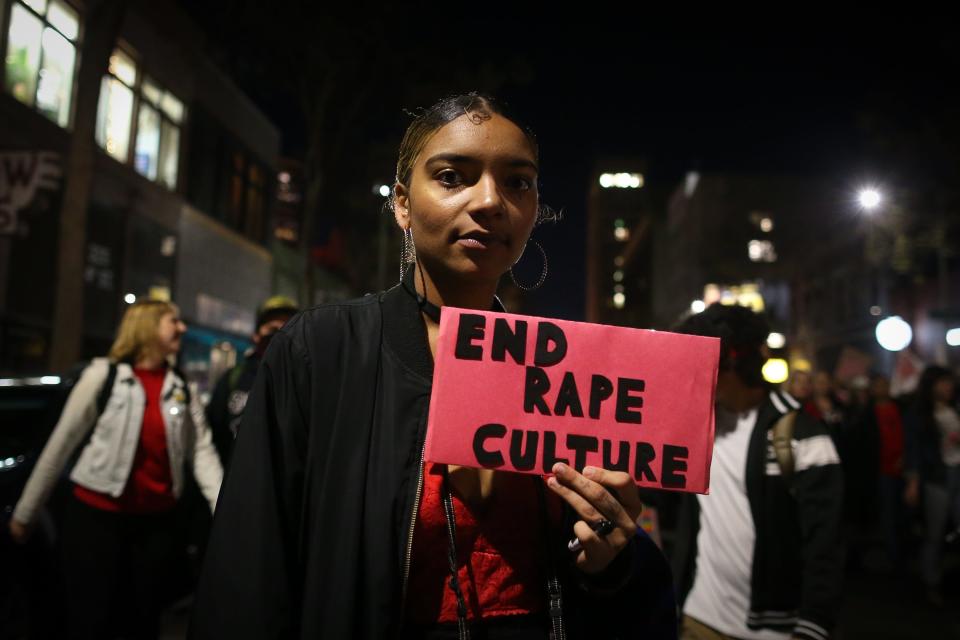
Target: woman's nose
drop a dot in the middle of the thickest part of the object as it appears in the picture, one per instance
(487, 199)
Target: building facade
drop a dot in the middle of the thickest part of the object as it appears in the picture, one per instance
(181, 189)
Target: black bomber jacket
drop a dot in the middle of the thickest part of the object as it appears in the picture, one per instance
(798, 559)
(312, 534)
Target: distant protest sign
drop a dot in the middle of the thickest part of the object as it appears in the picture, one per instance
(520, 393)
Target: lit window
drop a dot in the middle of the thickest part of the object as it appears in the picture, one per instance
(113, 117)
(23, 54)
(761, 251)
(123, 67)
(115, 110)
(151, 91)
(41, 56)
(64, 19)
(156, 149)
(40, 6)
(172, 107)
(169, 117)
(169, 154)
(147, 157)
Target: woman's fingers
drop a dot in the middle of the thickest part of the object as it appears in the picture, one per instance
(593, 502)
(584, 508)
(622, 485)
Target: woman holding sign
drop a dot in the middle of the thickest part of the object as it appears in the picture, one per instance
(332, 525)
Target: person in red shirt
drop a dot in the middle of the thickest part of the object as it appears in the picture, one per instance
(117, 540)
(888, 421)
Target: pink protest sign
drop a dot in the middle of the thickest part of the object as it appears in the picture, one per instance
(519, 393)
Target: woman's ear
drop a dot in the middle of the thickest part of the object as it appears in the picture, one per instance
(401, 206)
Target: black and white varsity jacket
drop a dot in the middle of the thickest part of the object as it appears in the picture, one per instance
(798, 557)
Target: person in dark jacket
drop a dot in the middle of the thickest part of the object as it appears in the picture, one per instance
(330, 524)
(760, 557)
(230, 394)
(933, 467)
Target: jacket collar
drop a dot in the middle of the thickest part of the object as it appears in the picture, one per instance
(171, 384)
(404, 329)
(775, 405)
(171, 381)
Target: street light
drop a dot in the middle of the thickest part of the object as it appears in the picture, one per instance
(775, 370)
(869, 199)
(893, 333)
(776, 340)
(953, 337)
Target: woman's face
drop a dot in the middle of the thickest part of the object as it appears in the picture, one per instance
(169, 331)
(472, 200)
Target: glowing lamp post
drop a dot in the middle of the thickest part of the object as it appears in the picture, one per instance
(894, 333)
(869, 199)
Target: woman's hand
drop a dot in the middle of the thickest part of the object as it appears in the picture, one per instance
(19, 531)
(588, 494)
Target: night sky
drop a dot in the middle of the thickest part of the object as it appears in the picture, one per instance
(833, 105)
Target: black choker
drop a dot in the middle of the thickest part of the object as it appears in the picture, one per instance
(431, 310)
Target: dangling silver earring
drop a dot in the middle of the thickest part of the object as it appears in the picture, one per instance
(543, 274)
(408, 252)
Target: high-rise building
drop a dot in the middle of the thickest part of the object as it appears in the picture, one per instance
(619, 222)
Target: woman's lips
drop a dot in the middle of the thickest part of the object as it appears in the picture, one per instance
(475, 243)
(479, 241)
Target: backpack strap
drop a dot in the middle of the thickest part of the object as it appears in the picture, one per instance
(783, 443)
(106, 389)
(103, 396)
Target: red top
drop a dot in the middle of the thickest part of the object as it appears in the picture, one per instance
(150, 485)
(890, 425)
(500, 549)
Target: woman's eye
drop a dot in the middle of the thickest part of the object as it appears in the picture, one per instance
(521, 183)
(448, 178)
